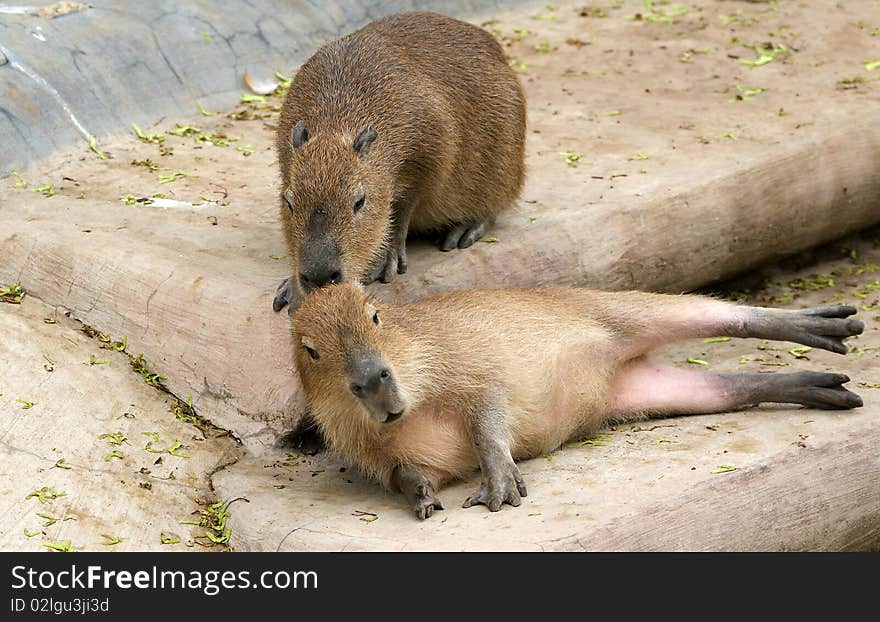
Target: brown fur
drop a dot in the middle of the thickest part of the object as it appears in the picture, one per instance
(450, 119)
(552, 354)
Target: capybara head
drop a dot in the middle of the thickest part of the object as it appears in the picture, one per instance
(338, 206)
(340, 353)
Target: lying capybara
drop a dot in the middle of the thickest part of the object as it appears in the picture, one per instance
(423, 393)
(414, 122)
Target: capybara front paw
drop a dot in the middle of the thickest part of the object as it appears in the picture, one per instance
(505, 485)
(283, 294)
(426, 501)
(395, 263)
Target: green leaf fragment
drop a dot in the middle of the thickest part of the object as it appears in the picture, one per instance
(47, 190)
(110, 540)
(862, 350)
(21, 183)
(185, 130)
(147, 138)
(25, 404)
(12, 294)
(146, 163)
(59, 464)
(169, 538)
(745, 93)
(818, 282)
(139, 364)
(800, 352)
(118, 346)
(50, 520)
(173, 176)
(46, 493)
(571, 158)
(63, 546)
(595, 441)
(94, 361)
(716, 340)
(659, 15)
(872, 64)
(249, 98)
(696, 361)
(222, 538)
(173, 450)
(31, 534)
(114, 439)
(93, 145)
(113, 454)
(488, 240)
(723, 468)
(638, 156)
(739, 19)
(766, 55)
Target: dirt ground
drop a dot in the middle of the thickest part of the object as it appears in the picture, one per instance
(625, 105)
(95, 456)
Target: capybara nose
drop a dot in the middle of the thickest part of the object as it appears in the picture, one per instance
(370, 380)
(314, 279)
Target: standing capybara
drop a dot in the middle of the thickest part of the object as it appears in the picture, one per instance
(424, 393)
(414, 122)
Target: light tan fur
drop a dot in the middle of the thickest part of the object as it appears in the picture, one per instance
(548, 357)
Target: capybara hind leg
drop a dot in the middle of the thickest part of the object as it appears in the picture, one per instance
(644, 387)
(463, 235)
(647, 325)
(418, 488)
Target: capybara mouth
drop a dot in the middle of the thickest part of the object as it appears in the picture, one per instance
(393, 417)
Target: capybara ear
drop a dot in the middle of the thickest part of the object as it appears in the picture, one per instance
(299, 135)
(363, 141)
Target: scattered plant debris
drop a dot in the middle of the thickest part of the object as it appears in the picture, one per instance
(12, 294)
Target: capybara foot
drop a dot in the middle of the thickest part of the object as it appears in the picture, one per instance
(501, 485)
(463, 235)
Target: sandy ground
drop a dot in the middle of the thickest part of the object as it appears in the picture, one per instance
(621, 111)
(80, 462)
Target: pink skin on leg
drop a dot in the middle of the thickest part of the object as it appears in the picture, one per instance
(643, 386)
(688, 319)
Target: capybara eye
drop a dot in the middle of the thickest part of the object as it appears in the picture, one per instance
(359, 204)
(376, 318)
(313, 353)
